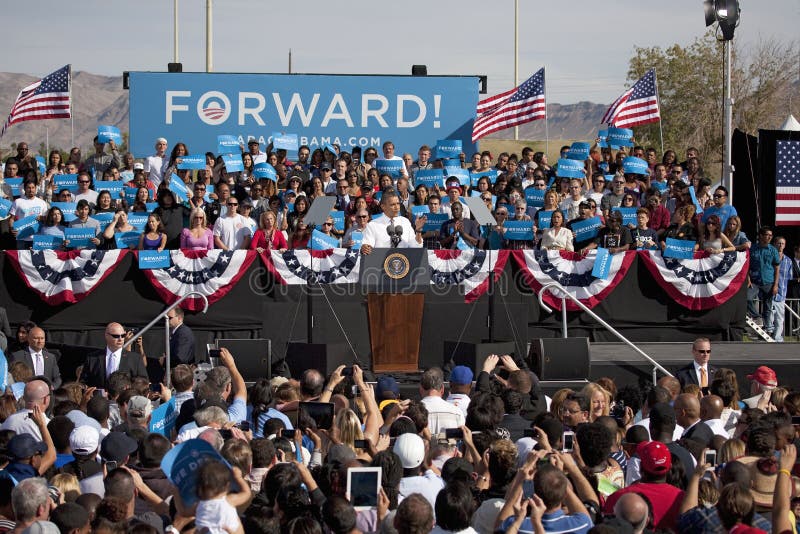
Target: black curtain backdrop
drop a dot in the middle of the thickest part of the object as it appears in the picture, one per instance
(257, 307)
(746, 189)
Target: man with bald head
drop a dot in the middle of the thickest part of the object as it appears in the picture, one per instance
(687, 413)
(711, 407)
(101, 363)
(41, 362)
(671, 384)
(698, 372)
(36, 394)
(633, 508)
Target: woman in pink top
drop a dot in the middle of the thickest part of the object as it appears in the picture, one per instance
(268, 237)
(198, 236)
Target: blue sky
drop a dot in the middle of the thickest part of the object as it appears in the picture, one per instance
(584, 45)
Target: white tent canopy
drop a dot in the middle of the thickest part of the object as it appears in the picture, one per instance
(791, 124)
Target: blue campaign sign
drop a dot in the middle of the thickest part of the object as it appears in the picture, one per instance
(602, 264)
(177, 186)
(628, 215)
(233, 162)
(265, 170)
(462, 245)
(518, 230)
(392, 167)
(416, 211)
(320, 241)
(79, 237)
(138, 220)
(47, 242)
(661, 186)
(5, 206)
(618, 137)
(570, 168)
(578, 151)
(602, 137)
(338, 220)
(348, 111)
(634, 165)
(679, 248)
(228, 144)
(154, 259)
(182, 463)
(283, 141)
(586, 229)
(697, 206)
(41, 164)
(163, 418)
(207, 196)
(544, 219)
(106, 133)
(127, 239)
(112, 186)
(534, 197)
(103, 218)
(130, 194)
(64, 181)
(150, 206)
(27, 226)
(476, 176)
(15, 184)
(358, 238)
(458, 172)
(434, 221)
(429, 178)
(448, 148)
(126, 176)
(193, 162)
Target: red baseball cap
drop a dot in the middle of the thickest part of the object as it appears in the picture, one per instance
(655, 456)
(764, 376)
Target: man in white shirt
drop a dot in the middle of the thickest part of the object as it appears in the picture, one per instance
(156, 164)
(254, 147)
(441, 414)
(37, 393)
(27, 205)
(84, 193)
(376, 235)
(232, 231)
(569, 206)
(711, 407)
(388, 155)
(460, 385)
(699, 371)
(42, 362)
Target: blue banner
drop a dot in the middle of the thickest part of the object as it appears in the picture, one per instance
(228, 144)
(79, 237)
(138, 220)
(5, 206)
(448, 148)
(106, 133)
(679, 248)
(461, 174)
(518, 230)
(475, 176)
(392, 167)
(535, 197)
(181, 463)
(192, 161)
(64, 181)
(41, 164)
(103, 218)
(154, 259)
(544, 219)
(619, 137)
(345, 110)
(602, 264)
(15, 184)
(628, 215)
(338, 220)
(162, 420)
(207, 196)
(434, 221)
(288, 142)
(697, 207)
(27, 226)
(127, 239)
(358, 238)
(570, 168)
(586, 229)
(112, 186)
(47, 242)
(634, 165)
(661, 186)
(429, 178)
(602, 138)
(233, 162)
(578, 151)
(130, 194)
(151, 206)
(177, 186)
(320, 241)
(265, 170)
(416, 211)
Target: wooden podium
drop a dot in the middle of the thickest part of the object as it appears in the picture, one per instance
(395, 280)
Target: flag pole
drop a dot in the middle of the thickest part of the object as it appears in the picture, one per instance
(546, 131)
(516, 56)
(71, 109)
(660, 116)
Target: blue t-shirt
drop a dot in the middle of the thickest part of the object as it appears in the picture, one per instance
(557, 521)
(763, 260)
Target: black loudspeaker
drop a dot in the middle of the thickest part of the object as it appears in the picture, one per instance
(253, 356)
(174, 67)
(473, 354)
(419, 70)
(556, 358)
(324, 357)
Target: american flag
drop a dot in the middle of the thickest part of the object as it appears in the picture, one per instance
(638, 105)
(522, 104)
(787, 182)
(48, 98)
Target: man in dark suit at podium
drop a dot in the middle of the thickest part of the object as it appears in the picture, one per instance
(699, 371)
(101, 363)
(181, 339)
(41, 362)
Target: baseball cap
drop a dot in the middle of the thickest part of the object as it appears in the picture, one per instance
(117, 446)
(25, 446)
(296, 178)
(325, 165)
(138, 166)
(453, 185)
(139, 407)
(410, 449)
(764, 376)
(585, 204)
(461, 375)
(386, 388)
(253, 142)
(655, 456)
(84, 440)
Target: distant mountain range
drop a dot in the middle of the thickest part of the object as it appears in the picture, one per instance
(102, 100)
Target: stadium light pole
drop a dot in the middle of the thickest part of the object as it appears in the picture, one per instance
(516, 56)
(209, 36)
(175, 31)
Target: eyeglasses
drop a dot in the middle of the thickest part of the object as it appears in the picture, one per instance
(677, 172)
(199, 188)
(619, 183)
(327, 224)
(565, 410)
(83, 181)
(362, 216)
(233, 203)
(719, 196)
(703, 351)
(115, 336)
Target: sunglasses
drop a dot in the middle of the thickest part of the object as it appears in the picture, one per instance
(233, 203)
(115, 336)
(327, 224)
(362, 216)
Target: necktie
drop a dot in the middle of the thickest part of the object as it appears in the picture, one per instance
(111, 365)
(39, 367)
(703, 378)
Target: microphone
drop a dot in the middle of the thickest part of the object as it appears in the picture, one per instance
(395, 232)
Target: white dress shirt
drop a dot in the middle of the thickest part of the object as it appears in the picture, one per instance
(38, 362)
(375, 233)
(112, 361)
(697, 374)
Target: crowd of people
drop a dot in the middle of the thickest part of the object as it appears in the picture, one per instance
(471, 450)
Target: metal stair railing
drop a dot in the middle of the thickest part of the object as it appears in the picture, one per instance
(559, 292)
(166, 330)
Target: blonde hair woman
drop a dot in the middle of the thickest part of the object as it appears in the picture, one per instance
(68, 485)
(198, 236)
(349, 426)
(599, 399)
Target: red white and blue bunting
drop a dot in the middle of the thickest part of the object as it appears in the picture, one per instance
(469, 268)
(332, 266)
(64, 277)
(574, 272)
(701, 283)
(212, 273)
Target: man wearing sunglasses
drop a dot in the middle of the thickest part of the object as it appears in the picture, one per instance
(698, 372)
(101, 363)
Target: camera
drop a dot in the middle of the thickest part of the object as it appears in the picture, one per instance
(618, 411)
